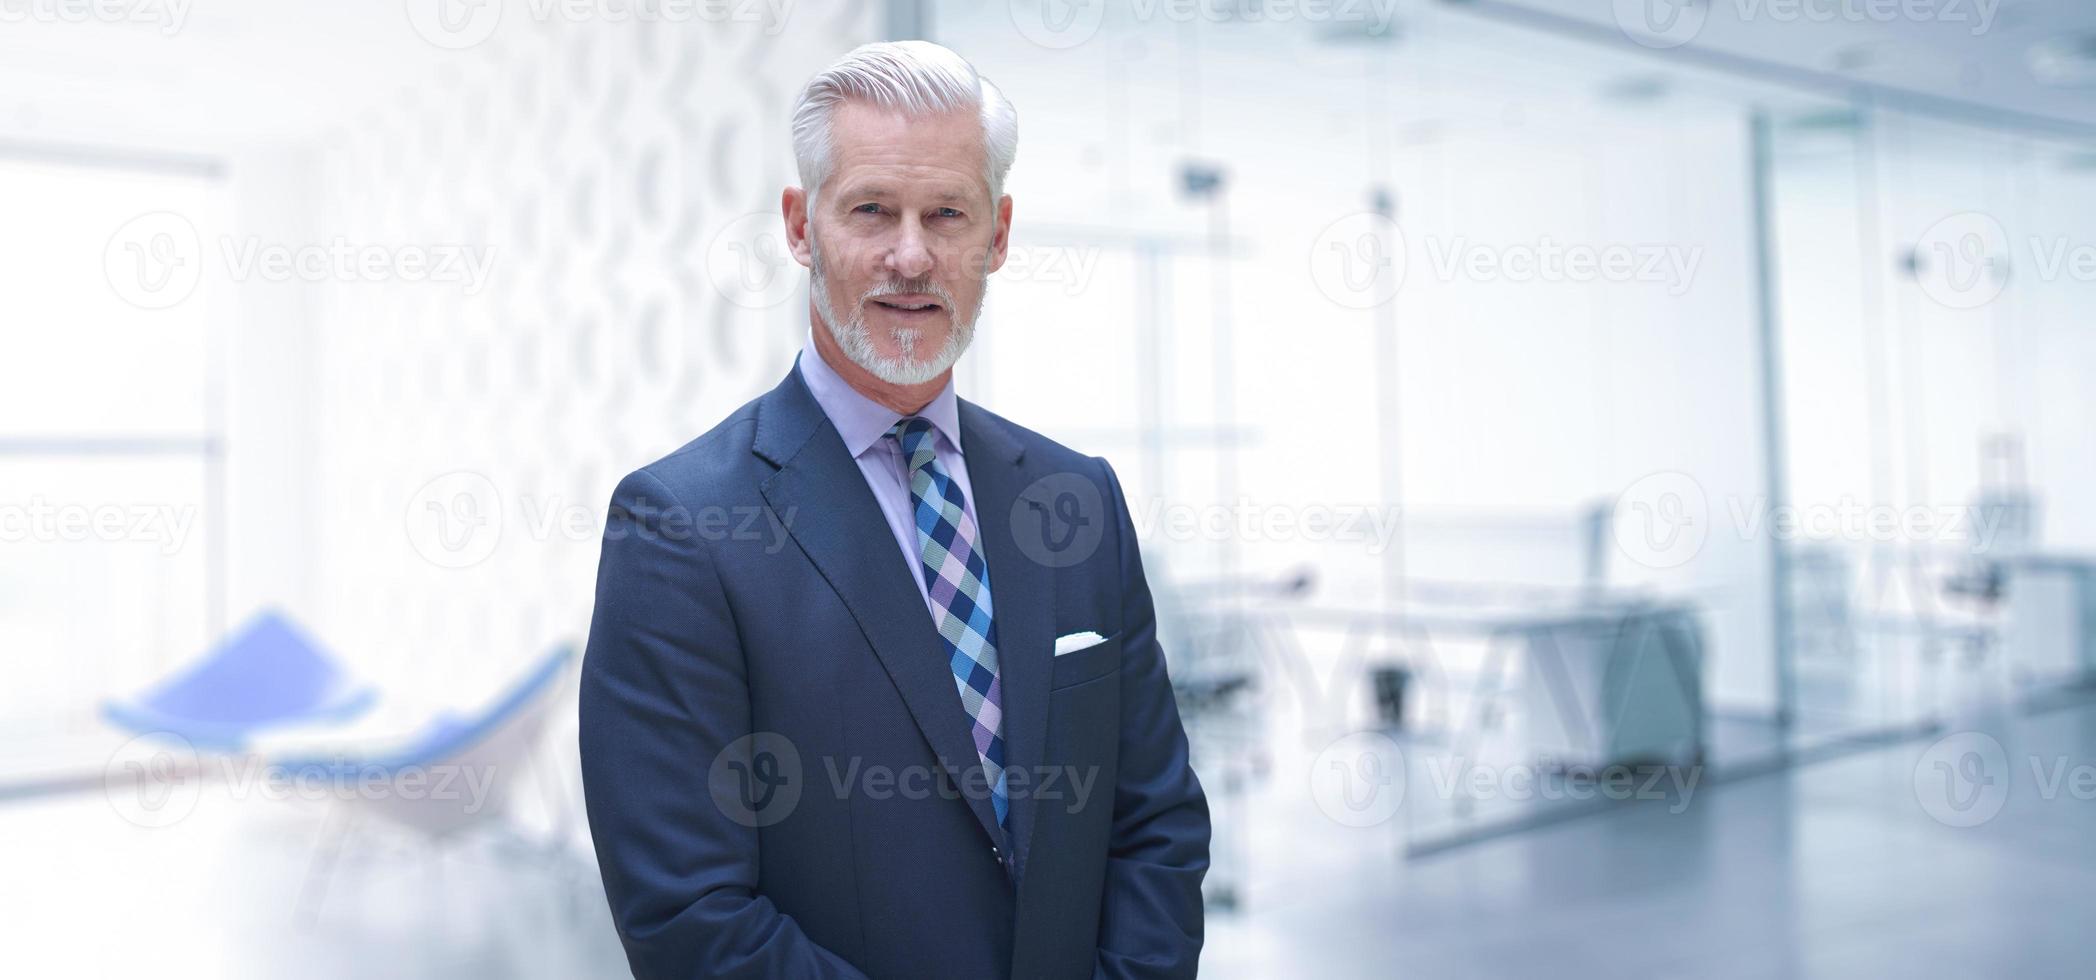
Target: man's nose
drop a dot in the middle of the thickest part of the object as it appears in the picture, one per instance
(910, 259)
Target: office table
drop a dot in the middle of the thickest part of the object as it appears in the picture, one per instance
(1616, 679)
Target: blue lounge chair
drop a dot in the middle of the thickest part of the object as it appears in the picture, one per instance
(454, 774)
(479, 752)
(270, 674)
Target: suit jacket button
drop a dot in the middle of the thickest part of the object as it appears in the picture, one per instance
(996, 854)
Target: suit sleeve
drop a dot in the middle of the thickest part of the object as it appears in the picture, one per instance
(1150, 920)
(663, 692)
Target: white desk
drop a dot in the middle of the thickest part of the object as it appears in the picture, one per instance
(1612, 679)
(2050, 630)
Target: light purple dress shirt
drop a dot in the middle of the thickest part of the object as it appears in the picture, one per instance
(864, 423)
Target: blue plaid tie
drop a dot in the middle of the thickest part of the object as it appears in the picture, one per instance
(959, 584)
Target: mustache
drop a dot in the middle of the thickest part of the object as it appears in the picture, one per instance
(922, 286)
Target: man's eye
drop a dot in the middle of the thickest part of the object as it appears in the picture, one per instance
(868, 209)
(947, 213)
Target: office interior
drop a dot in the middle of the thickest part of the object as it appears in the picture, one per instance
(1609, 472)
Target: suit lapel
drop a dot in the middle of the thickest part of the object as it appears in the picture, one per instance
(839, 526)
(1023, 590)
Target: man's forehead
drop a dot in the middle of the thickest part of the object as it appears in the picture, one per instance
(911, 149)
(937, 188)
(871, 120)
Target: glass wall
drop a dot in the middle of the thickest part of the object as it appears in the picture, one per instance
(1932, 285)
(1399, 340)
(108, 434)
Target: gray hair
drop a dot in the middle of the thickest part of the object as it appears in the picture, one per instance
(917, 78)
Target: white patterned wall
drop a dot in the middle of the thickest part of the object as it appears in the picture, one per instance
(597, 161)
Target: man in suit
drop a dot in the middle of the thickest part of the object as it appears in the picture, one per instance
(873, 684)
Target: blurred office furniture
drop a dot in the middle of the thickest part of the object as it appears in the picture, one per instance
(269, 675)
(1930, 643)
(1918, 643)
(1822, 583)
(455, 774)
(1954, 602)
(2035, 606)
(1611, 678)
(1597, 534)
(1389, 683)
(1868, 659)
(1217, 646)
(2051, 618)
(1612, 684)
(1223, 641)
(2003, 519)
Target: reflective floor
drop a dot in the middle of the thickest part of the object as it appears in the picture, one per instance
(1834, 869)
(1844, 867)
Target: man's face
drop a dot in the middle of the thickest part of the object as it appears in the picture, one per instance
(902, 239)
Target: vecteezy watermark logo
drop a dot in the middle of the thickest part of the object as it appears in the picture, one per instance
(1962, 261)
(154, 261)
(1966, 260)
(455, 520)
(1359, 779)
(1661, 520)
(1672, 23)
(1963, 779)
(459, 24)
(1359, 261)
(749, 263)
(756, 780)
(1661, 23)
(1978, 15)
(1246, 521)
(153, 780)
(1058, 23)
(1546, 260)
(454, 24)
(41, 521)
(1059, 519)
(1067, 23)
(343, 261)
(760, 779)
(1067, 786)
(1459, 778)
(167, 15)
(1070, 267)
(459, 519)
(1848, 519)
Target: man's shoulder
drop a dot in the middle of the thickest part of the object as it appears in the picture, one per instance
(720, 464)
(1041, 451)
(714, 466)
(1044, 457)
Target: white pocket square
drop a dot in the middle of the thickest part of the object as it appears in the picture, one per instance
(1077, 641)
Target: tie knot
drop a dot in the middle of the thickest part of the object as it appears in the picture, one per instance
(914, 432)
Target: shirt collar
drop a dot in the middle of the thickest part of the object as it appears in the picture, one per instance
(860, 420)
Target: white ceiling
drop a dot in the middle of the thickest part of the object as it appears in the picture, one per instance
(242, 73)
(204, 76)
(1964, 57)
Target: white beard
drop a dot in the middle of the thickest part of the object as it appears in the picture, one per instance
(856, 338)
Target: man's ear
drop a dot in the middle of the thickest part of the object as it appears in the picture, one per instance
(1002, 241)
(793, 207)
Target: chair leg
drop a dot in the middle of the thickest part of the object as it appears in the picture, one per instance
(1471, 740)
(327, 850)
(547, 772)
(553, 791)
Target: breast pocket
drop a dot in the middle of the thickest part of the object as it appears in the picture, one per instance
(1091, 663)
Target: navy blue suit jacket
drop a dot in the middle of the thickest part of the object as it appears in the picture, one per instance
(778, 769)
